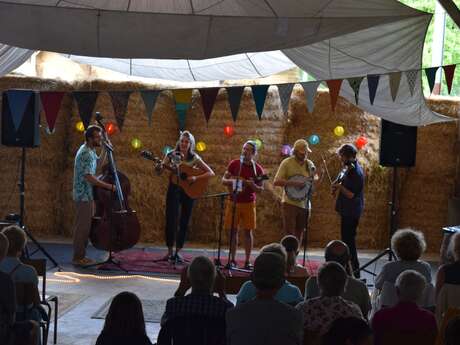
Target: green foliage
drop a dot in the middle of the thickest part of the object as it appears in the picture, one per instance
(451, 53)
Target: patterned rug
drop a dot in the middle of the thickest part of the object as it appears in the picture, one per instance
(141, 261)
(66, 301)
(153, 310)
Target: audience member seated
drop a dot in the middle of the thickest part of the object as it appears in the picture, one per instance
(355, 290)
(12, 332)
(348, 331)
(291, 245)
(288, 293)
(452, 334)
(448, 281)
(408, 245)
(264, 320)
(406, 317)
(21, 273)
(320, 312)
(189, 319)
(124, 323)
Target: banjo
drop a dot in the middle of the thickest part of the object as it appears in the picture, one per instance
(299, 193)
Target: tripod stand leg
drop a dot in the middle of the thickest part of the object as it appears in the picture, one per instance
(40, 248)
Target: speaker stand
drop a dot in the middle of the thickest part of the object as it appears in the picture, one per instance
(21, 185)
(393, 224)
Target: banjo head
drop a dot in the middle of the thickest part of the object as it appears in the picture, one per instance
(299, 194)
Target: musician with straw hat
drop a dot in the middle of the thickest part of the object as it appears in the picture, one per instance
(295, 175)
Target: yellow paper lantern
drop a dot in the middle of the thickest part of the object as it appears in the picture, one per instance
(259, 143)
(339, 131)
(136, 144)
(201, 146)
(80, 126)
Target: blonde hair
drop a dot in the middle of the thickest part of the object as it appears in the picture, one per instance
(291, 245)
(408, 244)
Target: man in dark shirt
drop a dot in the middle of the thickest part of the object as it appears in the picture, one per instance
(350, 200)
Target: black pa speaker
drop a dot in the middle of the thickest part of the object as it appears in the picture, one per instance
(398, 145)
(20, 118)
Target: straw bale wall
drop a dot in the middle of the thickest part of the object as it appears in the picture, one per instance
(424, 189)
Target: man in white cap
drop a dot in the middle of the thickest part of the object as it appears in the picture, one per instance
(296, 171)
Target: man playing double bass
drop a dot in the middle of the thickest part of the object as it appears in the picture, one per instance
(296, 212)
(86, 163)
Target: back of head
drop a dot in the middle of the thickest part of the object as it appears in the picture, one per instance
(3, 246)
(452, 334)
(410, 285)
(332, 279)
(337, 251)
(291, 245)
(269, 270)
(16, 239)
(408, 244)
(347, 331)
(348, 150)
(125, 316)
(201, 274)
(276, 248)
(455, 246)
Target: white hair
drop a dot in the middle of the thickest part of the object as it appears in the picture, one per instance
(410, 285)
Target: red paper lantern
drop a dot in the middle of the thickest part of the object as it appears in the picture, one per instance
(229, 131)
(361, 142)
(111, 128)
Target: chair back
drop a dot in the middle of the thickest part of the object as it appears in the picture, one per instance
(40, 267)
(193, 329)
(448, 315)
(448, 297)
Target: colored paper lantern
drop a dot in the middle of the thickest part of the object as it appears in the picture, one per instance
(339, 131)
(313, 139)
(136, 144)
(259, 144)
(229, 131)
(111, 128)
(286, 150)
(166, 149)
(201, 146)
(80, 126)
(361, 142)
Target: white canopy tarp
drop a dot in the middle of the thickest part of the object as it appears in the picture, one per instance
(185, 29)
(12, 57)
(240, 66)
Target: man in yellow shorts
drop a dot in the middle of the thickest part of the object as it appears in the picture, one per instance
(296, 212)
(243, 181)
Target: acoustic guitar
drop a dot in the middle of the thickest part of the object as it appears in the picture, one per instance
(179, 176)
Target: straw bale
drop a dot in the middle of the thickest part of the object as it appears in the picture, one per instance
(424, 189)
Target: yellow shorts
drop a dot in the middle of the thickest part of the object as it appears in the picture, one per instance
(245, 215)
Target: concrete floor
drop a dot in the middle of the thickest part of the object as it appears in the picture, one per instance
(78, 328)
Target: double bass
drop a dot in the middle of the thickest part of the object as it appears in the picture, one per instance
(114, 226)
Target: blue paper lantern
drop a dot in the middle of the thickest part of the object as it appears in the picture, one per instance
(313, 139)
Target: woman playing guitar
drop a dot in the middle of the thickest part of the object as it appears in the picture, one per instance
(178, 204)
(350, 200)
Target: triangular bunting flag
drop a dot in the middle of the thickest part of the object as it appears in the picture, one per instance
(309, 89)
(51, 103)
(449, 71)
(86, 100)
(431, 76)
(234, 99)
(259, 93)
(355, 84)
(181, 111)
(120, 104)
(182, 95)
(412, 77)
(150, 98)
(208, 98)
(394, 80)
(285, 91)
(372, 84)
(18, 101)
(334, 89)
